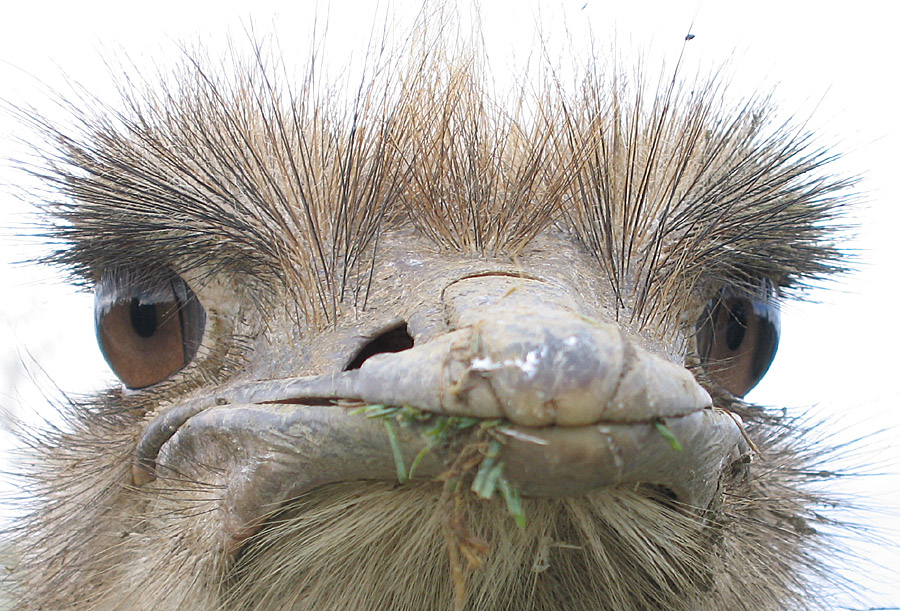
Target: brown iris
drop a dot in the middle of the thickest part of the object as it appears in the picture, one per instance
(149, 325)
(737, 337)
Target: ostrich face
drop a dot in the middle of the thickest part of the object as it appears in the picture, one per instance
(424, 351)
(524, 353)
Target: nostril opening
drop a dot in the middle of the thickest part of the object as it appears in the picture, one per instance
(659, 493)
(396, 339)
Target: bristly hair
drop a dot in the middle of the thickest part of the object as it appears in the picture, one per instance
(289, 189)
(233, 170)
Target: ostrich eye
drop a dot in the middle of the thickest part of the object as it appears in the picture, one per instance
(149, 325)
(737, 337)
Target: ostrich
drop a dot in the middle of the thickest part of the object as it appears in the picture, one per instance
(427, 350)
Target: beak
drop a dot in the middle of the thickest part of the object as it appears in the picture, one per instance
(576, 404)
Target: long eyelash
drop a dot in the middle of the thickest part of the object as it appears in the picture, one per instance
(246, 175)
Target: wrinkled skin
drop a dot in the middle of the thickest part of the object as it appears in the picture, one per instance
(532, 302)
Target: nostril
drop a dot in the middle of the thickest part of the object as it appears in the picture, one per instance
(659, 493)
(395, 339)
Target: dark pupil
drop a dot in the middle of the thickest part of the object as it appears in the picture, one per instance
(737, 325)
(143, 318)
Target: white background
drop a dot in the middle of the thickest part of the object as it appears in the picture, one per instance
(837, 64)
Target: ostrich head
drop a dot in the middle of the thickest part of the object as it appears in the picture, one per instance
(428, 349)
